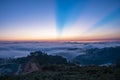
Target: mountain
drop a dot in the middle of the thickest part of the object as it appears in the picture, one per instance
(33, 62)
(40, 66)
(97, 56)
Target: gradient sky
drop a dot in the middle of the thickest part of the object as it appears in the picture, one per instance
(59, 19)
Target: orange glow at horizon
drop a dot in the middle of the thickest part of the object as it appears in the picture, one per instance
(65, 38)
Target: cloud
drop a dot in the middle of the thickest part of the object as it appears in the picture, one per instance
(65, 49)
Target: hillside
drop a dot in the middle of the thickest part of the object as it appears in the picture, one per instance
(40, 66)
(33, 62)
(104, 56)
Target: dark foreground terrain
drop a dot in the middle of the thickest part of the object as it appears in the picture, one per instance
(40, 66)
(69, 73)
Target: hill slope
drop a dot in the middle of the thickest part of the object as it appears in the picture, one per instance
(99, 56)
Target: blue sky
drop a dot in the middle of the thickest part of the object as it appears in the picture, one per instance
(59, 19)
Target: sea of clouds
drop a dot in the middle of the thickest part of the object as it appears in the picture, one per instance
(68, 50)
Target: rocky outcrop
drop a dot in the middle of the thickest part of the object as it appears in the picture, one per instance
(31, 66)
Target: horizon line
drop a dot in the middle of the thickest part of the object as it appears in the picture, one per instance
(63, 40)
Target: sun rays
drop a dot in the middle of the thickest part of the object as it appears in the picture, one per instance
(59, 20)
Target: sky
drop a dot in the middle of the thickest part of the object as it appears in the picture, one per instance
(59, 20)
